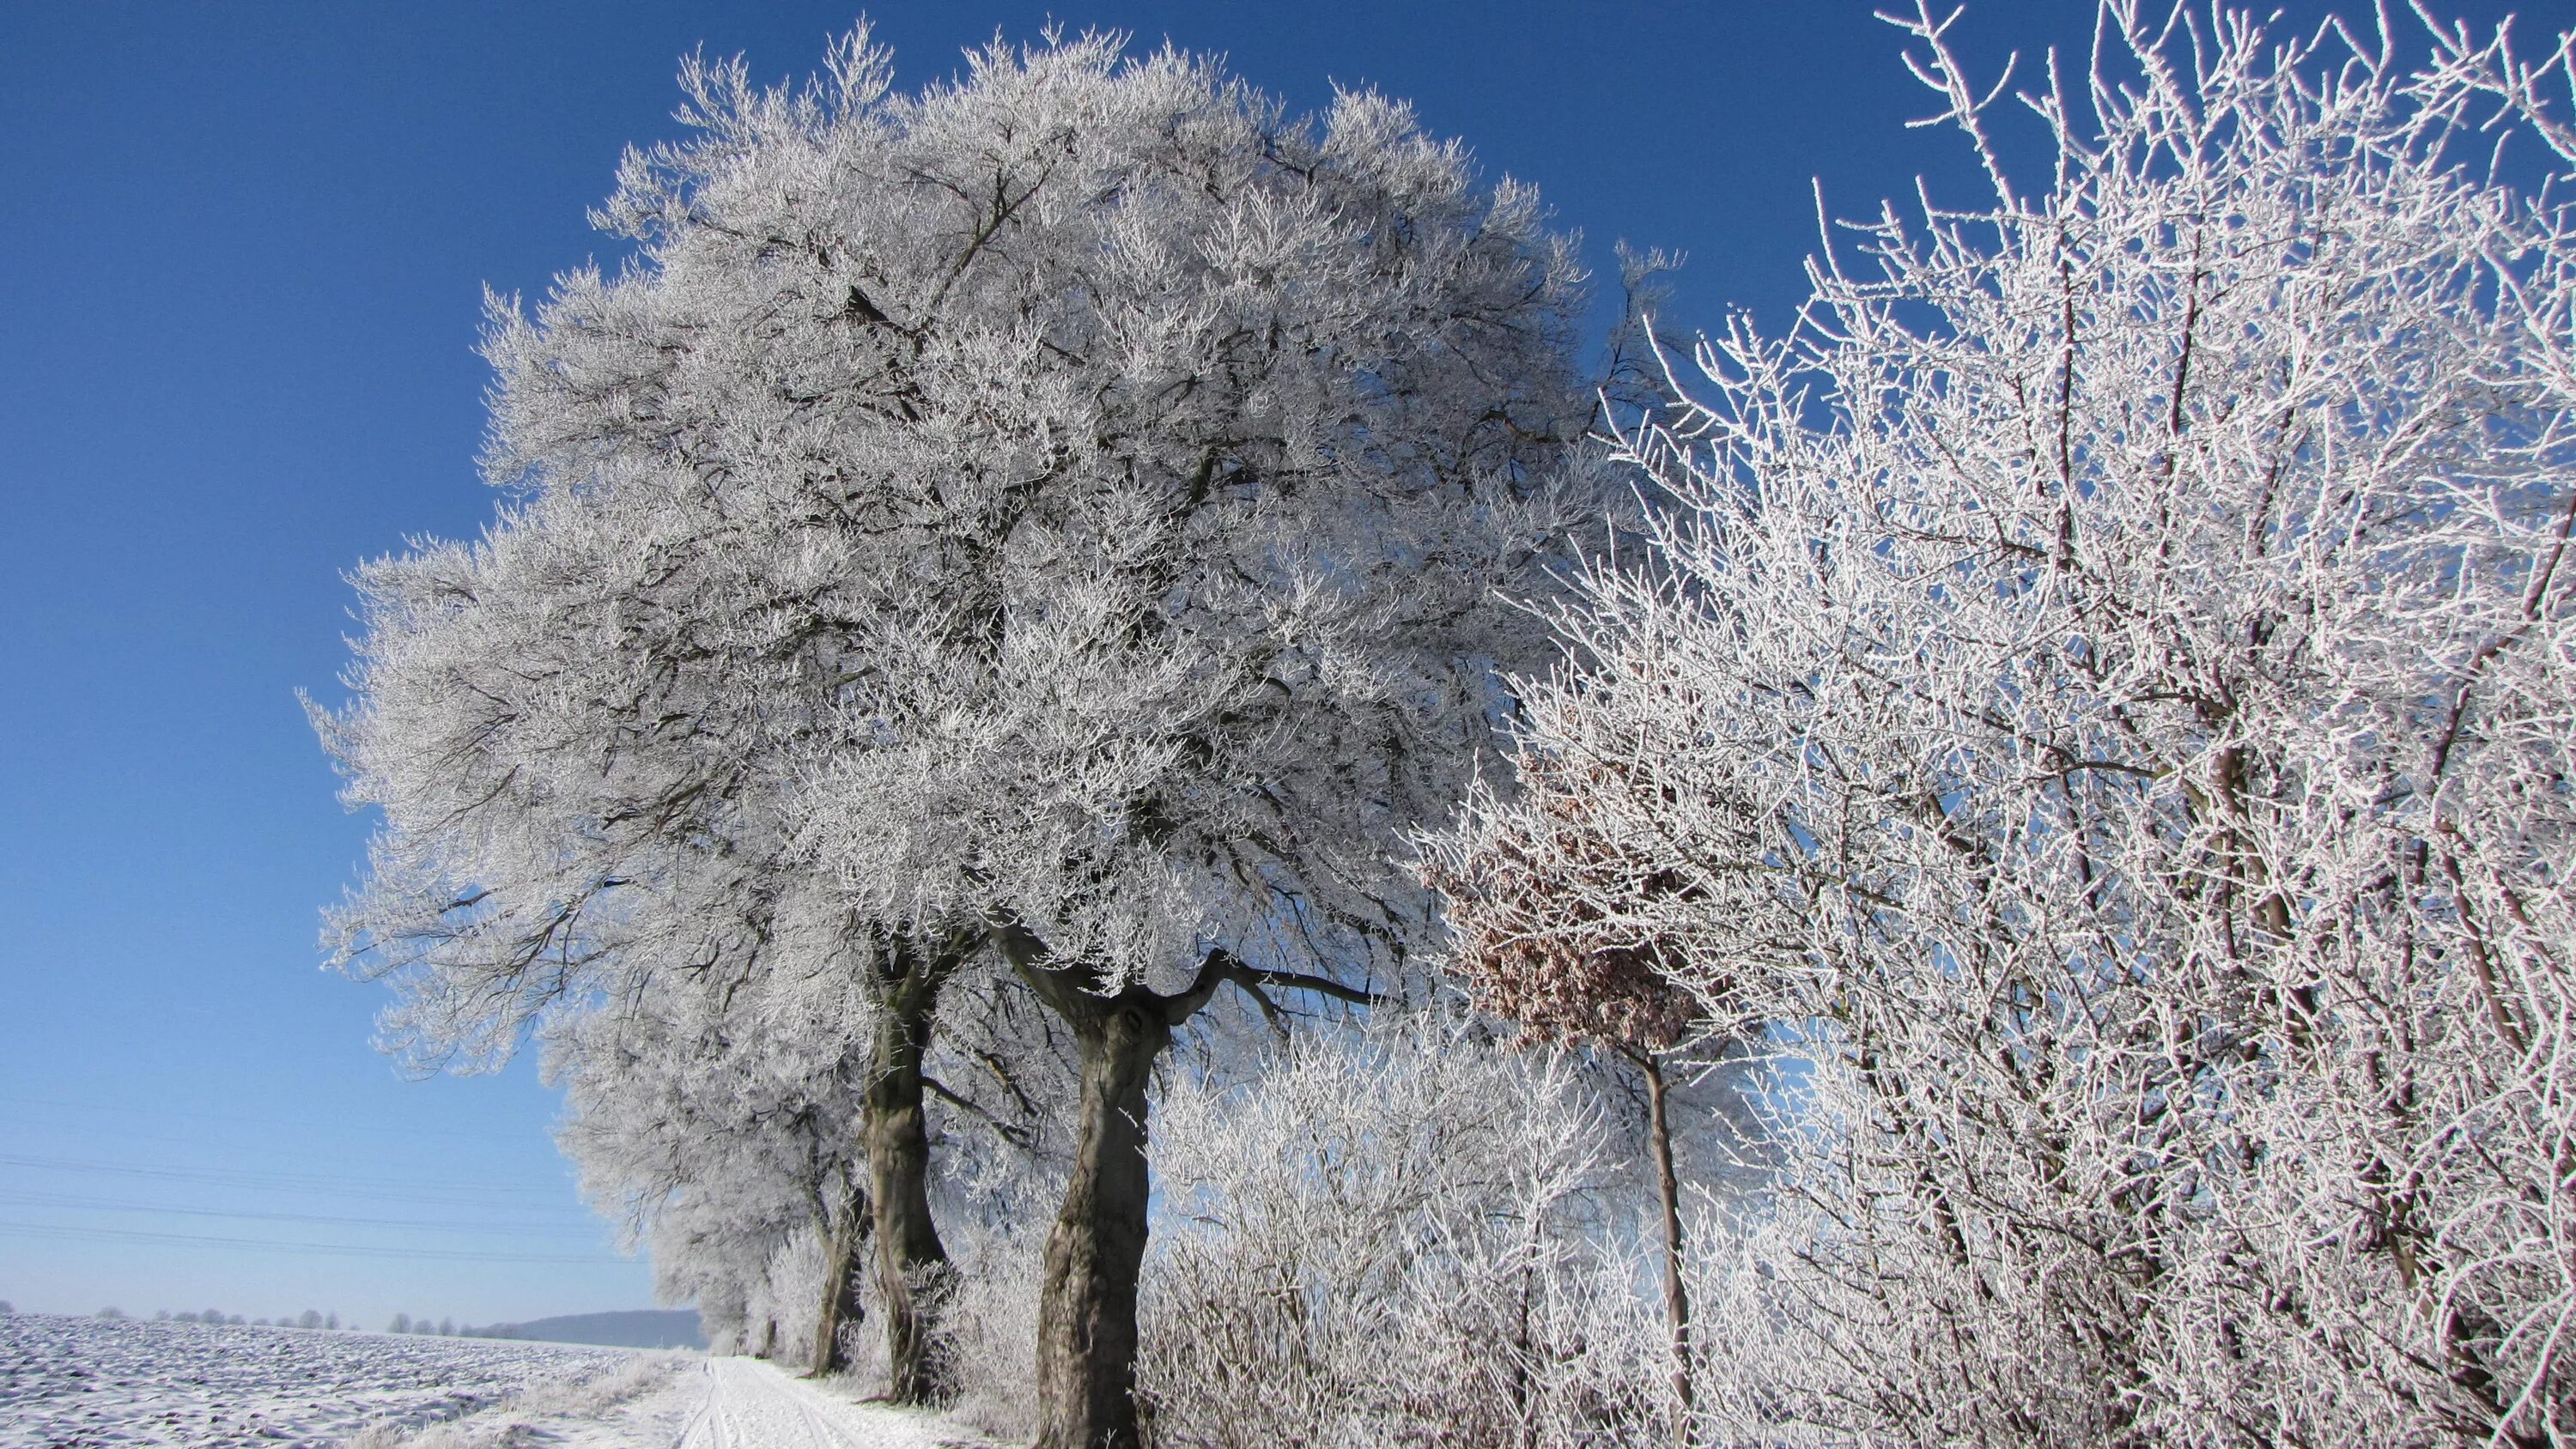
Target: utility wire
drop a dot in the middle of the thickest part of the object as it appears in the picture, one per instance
(60, 1200)
(122, 1235)
(268, 1140)
(300, 1125)
(383, 1188)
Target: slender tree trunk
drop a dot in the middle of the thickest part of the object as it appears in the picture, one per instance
(768, 1339)
(1676, 1298)
(842, 1302)
(1086, 1358)
(911, 1261)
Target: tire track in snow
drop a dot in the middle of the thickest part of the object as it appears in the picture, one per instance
(748, 1404)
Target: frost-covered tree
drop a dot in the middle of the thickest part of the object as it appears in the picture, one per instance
(1060, 510)
(1519, 880)
(2105, 708)
(1259, 417)
(716, 1122)
(570, 816)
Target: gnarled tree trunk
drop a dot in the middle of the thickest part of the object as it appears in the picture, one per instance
(911, 1261)
(842, 1299)
(1086, 1358)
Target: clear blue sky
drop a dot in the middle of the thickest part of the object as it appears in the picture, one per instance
(241, 249)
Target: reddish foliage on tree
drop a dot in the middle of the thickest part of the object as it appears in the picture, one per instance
(1543, 897)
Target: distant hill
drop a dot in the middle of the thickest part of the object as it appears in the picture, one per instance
(633, 1328)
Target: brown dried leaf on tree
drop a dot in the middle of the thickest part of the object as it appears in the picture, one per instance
(1543, 896)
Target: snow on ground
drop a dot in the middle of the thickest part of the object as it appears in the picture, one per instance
(693, 1403)
(643, 1404)
(88, 1383)
(743, 1403)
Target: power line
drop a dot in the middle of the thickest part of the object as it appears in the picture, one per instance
(266, 1143)
(61, 1200)
(378, 1188)
(123, 1235)
(300, 1125)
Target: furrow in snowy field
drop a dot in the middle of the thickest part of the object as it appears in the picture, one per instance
(100, 1382)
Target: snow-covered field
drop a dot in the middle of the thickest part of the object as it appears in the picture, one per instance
(76, 1383)
(88, 1383)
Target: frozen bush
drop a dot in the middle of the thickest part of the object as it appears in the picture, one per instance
(2103, 706)
(993, 1324)
(1407, 1236)
(789, 1294)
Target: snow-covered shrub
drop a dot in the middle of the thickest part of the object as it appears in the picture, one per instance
(992, 1322)
(790, 1294)
(1397, 1237)
(2105, 707)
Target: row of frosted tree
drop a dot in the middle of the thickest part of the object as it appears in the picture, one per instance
(1989, 867)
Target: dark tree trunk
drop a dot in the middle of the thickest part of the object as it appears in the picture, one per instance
(1086, 1351)
(1087, 1305)
(842, 1299)
(1668, 1185)
(911, 1261)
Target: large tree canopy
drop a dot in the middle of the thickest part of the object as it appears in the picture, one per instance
(1063, 510)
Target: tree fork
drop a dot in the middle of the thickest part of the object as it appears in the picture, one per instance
(1087, 1335)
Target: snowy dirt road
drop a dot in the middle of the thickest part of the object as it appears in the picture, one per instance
(743, 1403)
